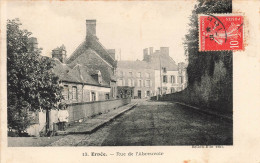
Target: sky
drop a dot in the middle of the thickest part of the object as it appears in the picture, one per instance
(127, 26)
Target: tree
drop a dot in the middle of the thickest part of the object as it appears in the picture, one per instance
(203, 62)
(31, 85)
(206, 84)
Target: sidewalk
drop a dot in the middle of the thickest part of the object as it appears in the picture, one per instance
(91, 125)
(207, 111)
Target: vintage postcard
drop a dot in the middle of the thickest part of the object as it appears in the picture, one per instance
(130, 81)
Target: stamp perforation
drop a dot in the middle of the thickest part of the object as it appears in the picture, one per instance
(216, 15)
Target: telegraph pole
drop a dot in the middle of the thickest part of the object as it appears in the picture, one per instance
(160, 74)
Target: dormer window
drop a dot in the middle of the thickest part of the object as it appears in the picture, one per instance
(99, 77)
(164, 69)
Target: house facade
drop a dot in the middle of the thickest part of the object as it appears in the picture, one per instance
(156, 74)
(136, 74)
(80, 83)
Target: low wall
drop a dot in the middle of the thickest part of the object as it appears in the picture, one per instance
(191, 97)
(77, 111)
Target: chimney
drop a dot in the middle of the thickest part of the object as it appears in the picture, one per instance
(60, 53)
(164, 51)
(91, 27)
(151, 50)
(112, 53)
(145, 55)
(145, 51)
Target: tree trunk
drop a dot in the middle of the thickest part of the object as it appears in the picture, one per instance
(47, 121)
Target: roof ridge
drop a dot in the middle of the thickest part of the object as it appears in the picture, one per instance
(72, 54)
(105, 49)
(91, 36)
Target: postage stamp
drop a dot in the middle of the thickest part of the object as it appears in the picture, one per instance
(220, 32)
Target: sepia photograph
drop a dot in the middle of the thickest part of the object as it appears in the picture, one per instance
(126, 74)
(135, 80)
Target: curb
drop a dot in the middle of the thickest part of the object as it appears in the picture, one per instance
(207, 112)
(100, 125)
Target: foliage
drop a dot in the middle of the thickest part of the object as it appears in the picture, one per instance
(209, 73)
(203, 62)
(30, 82)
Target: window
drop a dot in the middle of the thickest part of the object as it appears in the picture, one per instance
(172, 79)
(165, 78)
(139, 83)
(147, 83)
(147, 75)
(164, 69)
(74, 93)
(139, 74)
(99, 78)
(129, 82)
(107, 96)
(66, 92)
(147, 93)
(172, 90)
(130, 74)
(120, 82)
(180, 79)
(93, 96)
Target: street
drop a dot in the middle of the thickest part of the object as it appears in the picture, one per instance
(157, 123)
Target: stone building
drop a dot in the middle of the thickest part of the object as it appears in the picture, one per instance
(89, 73)
(156, 74)
(136, 74)
(169, 76)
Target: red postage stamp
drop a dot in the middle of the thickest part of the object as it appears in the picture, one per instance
(220, 32)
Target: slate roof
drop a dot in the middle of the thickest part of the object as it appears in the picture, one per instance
(133, 65)
(85, 74)
(83, 58)
(166, 61)
(65, 73)
(78, 74)
(92, 43)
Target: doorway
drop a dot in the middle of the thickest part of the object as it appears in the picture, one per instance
(139, 93)
(148, 93)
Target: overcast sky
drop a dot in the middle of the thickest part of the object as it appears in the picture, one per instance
(129, 26)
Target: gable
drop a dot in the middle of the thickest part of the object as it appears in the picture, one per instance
(93, 62)
(92, 42)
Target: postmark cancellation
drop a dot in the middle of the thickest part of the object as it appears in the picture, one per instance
(219, 32)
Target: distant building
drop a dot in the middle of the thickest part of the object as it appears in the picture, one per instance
(156, 74)
(136, 74)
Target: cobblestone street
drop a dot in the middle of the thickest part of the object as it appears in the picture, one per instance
(157, 123)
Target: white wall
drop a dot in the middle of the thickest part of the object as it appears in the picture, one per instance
(96, 89)
(36, 128)
(169, 85)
